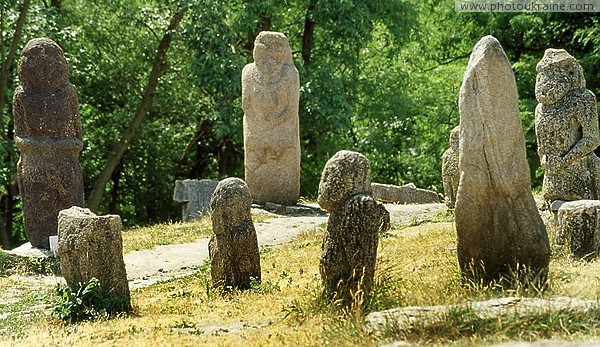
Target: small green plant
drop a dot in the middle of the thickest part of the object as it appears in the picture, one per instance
(3, 257)
(86, 302)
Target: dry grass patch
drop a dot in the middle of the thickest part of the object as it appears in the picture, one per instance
(148, 237)
(139, 238)
(416, 266)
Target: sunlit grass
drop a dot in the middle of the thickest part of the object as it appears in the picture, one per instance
(148, 237)
(135, 239)
(417, 265)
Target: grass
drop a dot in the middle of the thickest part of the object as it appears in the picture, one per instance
(416, 266)
(148, 237)
(136, 239)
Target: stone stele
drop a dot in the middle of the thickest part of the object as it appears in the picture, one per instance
(579, 227)
(566, 126)
(498, 226)
(48, 135)
(194, 197)
(450, 168)
(349, 249)
(92, 246)
(270, 97)
(233, 248)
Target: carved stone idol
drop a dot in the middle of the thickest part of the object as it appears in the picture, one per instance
(566, 126)
(349, 249)
(270, 97)
(48, 135)
(450, 168)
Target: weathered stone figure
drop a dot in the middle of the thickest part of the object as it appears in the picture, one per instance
(349, 249)
(566, 126)
(91, 246)
(270, 97)
(450, 168)
(233, 248)
(48, 134)
(497, 222)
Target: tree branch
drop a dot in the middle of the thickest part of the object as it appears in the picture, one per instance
(145, 104)
(6, 65)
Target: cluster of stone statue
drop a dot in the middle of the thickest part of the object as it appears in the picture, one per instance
(486, 175)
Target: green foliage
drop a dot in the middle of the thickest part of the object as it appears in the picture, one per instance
(380, 77)
(86, 302)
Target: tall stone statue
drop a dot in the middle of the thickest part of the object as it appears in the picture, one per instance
(48, 135)
(270, 97)
(499, 229)
(450, 174)
(566, 126)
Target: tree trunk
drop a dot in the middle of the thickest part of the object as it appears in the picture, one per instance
(145, 104)
(7, 63)
(114, 192)
(7, 203)
(309, 33)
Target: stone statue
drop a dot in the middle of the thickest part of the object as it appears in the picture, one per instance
(499, 229)
(566, 126)
(233, 248)
(48, 135)
(349, 248)
(270, 97)
(450, 168)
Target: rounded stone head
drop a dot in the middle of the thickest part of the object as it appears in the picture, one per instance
(271, 51)
(231, 201)
(345, 174)
(455, 138)
(558, 73)
(42, 66)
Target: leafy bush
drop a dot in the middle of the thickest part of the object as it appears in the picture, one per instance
(86, 302)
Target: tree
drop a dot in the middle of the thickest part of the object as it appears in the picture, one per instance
(8, 238)
(117, 154)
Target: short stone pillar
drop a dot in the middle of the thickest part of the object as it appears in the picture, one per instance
(579, 227)
(194, 197)
(270, 98)
(349, 250)
(233, 248)
(48, 135)
(499, 229)
(450, 174)
(92, 246)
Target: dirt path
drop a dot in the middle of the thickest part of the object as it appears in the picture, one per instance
(146, 267)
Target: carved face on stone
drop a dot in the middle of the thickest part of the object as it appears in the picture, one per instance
(558, 73)
(271, 51)
(345, 174)
(43, 66)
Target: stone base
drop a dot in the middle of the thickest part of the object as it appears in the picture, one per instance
(406, 194)
(194, 197)
(578, 225)
(295, 210)
(26, 250)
